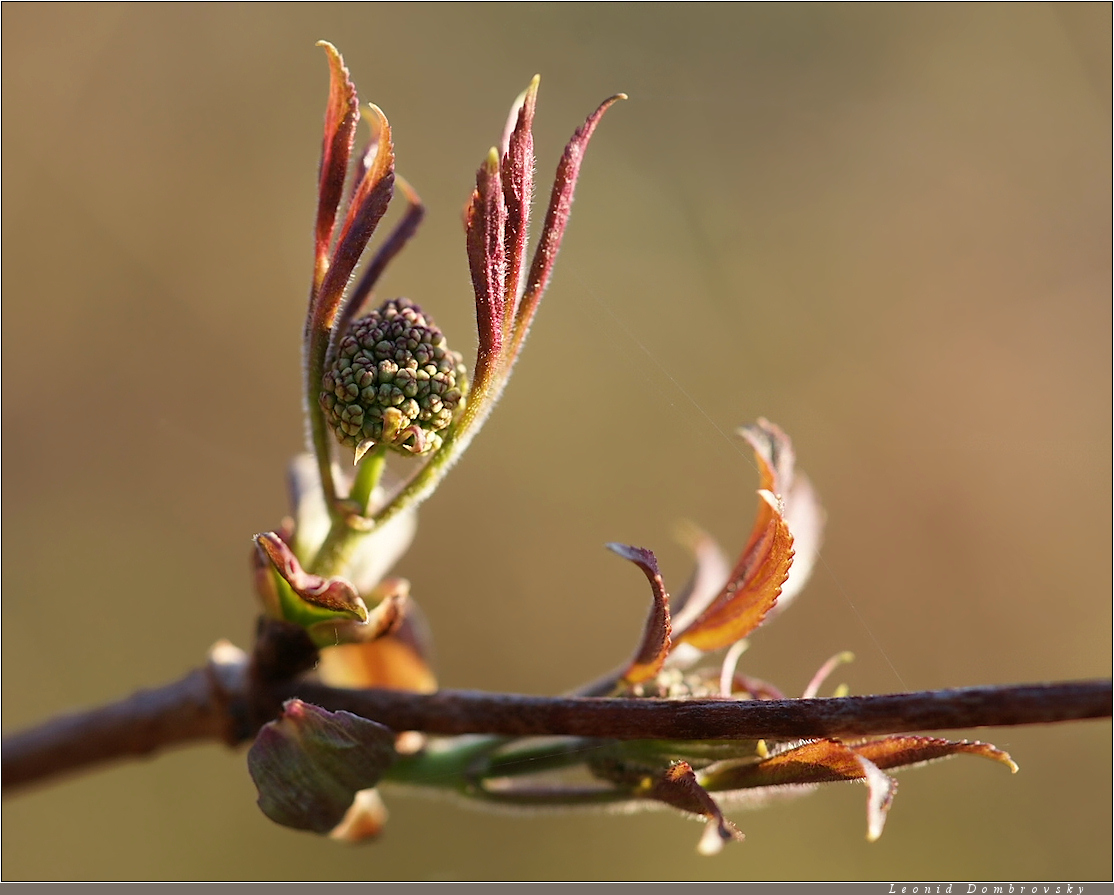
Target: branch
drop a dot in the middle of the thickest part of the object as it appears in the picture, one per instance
(197, 707)
(218, 702)
(465, 711)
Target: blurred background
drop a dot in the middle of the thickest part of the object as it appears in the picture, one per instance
(885, 228)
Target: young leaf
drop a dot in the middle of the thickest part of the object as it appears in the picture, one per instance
(650, 658)
(336, 595)
(310, 763)
(677, 786)
(753, 587)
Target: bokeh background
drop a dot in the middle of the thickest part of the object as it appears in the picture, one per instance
(886, 228)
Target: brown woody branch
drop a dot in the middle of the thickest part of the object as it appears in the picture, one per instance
(219, 701)
(464, 711)
(191, 709)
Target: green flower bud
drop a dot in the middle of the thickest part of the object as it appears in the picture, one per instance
(394, 381)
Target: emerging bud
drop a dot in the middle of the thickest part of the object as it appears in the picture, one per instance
(309, 764)
(393, 381)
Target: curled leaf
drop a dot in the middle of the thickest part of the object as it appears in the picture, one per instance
(650, 657)
(753, 587)
(369, 202)
(335, 595)
(803, 514)
(309, 764)
(677, 786)
(342, 114)
(384, 618)
(815, 761)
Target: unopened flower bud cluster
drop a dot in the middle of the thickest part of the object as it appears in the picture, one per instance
(393, 362)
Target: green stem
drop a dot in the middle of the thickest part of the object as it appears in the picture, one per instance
(317, 343)
(555, 797)
(337, 548)
(447, 767)
(475, 759)
(367, 477)
(342, 538)
(534, 757)
(465, 766)
(483, 396)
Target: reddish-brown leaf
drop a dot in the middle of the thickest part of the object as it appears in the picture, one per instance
(711, 569)
(677, 786)
(369, 202)
(899, 751)
(753, 587)
(485, 227)
(341, 116)
(556, 219)
(517, 170)
(815, 761)
(650, 657)
(802, 511)
(402, 233)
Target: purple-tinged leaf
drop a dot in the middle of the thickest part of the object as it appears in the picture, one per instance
(650, 657)
(341, 117)
(399, 236)
(334, 594)
(369, 203)
(309, 765)
(556, 219)
(517, 171)
(485, 227)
